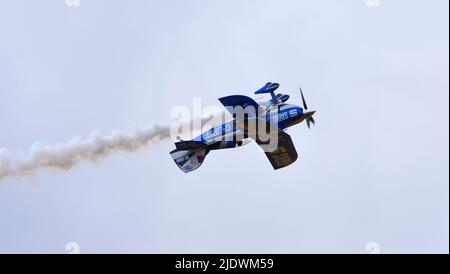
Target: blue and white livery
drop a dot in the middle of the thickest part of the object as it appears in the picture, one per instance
(264, 123)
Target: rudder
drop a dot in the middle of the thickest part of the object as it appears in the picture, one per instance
(189, 160)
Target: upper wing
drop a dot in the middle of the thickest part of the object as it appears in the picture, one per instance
(243, 109)
(285, 153)
(247, 104)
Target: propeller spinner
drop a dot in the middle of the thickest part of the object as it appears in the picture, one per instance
(309, 118)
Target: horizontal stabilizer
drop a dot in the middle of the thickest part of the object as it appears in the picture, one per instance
(189, 145)
(239, 105)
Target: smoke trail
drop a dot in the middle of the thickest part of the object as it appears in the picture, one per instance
(67, 155)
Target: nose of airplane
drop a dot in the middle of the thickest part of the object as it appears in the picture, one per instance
(309, 119)
(309, 113)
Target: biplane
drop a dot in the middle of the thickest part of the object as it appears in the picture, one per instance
(264, 122)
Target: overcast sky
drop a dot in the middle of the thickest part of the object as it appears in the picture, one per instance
(374, 169)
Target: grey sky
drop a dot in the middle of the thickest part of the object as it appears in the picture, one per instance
(375, 168)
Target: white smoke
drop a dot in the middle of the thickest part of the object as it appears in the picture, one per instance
(65, 156)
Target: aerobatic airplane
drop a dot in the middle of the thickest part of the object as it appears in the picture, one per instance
(251, 121)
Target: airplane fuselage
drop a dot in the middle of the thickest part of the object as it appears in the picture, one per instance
(264, 122)
(227, 134)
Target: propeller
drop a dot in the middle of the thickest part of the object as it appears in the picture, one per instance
(303, 99)
(309, 119)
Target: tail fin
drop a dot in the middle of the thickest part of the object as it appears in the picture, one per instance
(187, 157)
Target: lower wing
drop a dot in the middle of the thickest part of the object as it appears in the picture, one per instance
(284, 154)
